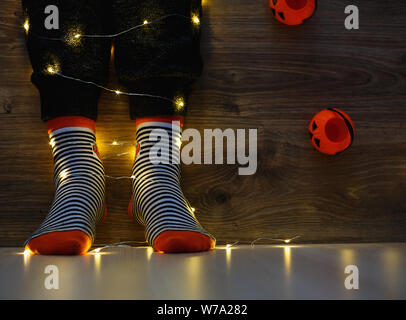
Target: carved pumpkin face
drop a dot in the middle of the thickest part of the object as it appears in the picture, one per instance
(331, 131)
(293, 12)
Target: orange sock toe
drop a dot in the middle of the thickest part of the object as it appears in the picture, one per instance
(182, 241)
(60, 243)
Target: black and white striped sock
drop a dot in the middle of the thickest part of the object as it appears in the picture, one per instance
(79, 198)
(158, 201)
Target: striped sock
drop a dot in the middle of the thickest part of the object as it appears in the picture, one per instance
(158, 201)
(69, 227)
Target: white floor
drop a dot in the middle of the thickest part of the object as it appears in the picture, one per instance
(242, 272)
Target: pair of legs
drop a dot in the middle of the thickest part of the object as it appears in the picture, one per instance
(160, 60)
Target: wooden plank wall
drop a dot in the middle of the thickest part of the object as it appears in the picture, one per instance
(258, 74)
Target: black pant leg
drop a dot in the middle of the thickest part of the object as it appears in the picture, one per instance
(83, 58)
(161, 57)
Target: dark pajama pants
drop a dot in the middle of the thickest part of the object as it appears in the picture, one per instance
(161, 59)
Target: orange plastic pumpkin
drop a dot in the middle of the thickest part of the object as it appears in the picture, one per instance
(331, 131)
(293, 12)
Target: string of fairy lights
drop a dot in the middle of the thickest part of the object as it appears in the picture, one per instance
(179, 103)
(65, 173)
(113, 143)
(142, 244)
(227, 246)
(53, 69)
(72, 39)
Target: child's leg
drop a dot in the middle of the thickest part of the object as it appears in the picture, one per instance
(161, 58)
(69, 109)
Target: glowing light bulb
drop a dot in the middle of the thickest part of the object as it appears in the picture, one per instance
(26, 26)
(51, 70)
(150, 251)
(27, 252)
(193, 209)
(196, 19)
(117, 92)
(287, 240)
(228, 246)
(180, 103)
(77, 36)
(63, 174)
(115, 143)
(178, 142)
(145, 21)
(97, 250)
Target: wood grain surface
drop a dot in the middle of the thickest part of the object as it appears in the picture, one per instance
(258, 74)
